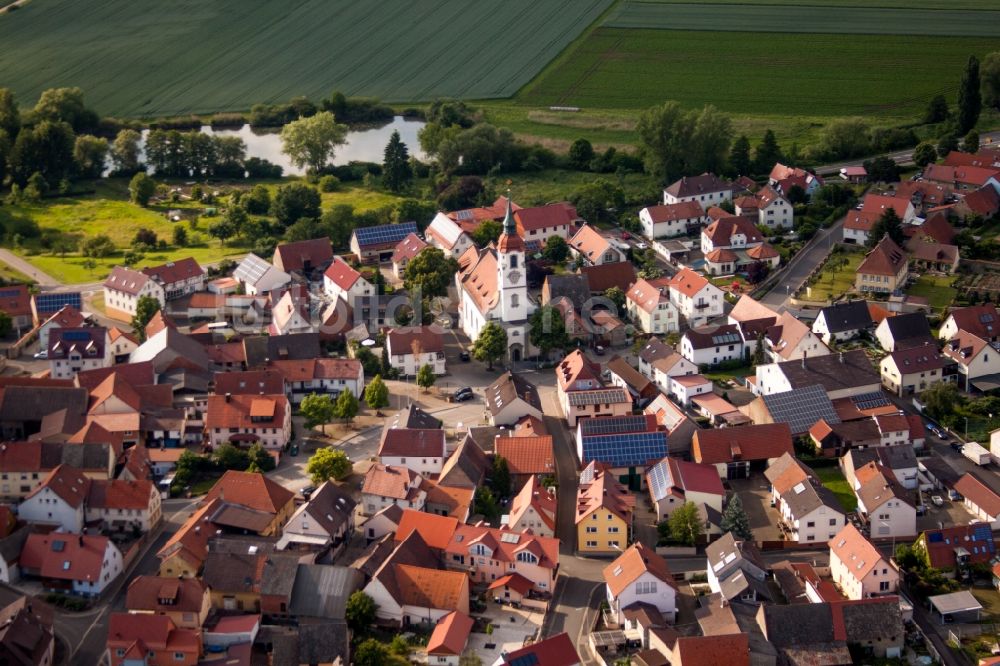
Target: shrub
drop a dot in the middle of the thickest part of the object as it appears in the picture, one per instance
(329, 184)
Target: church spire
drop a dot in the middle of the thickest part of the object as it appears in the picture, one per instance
(509, 226)
(510, 241)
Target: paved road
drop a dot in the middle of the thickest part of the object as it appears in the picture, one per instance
(19, 264)
(902, 157)
(802, 264)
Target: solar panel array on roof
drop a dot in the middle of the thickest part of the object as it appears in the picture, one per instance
(725, 339)
(76, 336)
(659, 479)
(251, 269)
(984, 533)
(530, 659)
(870, 400)
(384, 234)
(606, 425)
(985, 318)
(465, 215)
(10, 293)
(625, 450)
(802, 408)
(56, 302)
(577, 398)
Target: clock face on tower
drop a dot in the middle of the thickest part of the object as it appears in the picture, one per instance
(514, 276)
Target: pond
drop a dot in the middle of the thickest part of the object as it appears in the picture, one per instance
(363, 144)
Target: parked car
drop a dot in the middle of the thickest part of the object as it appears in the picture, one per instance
(626, 235)
(464, 356)
(307, 491)
(936, 500)
(463, 394)
(954, 496)
(641, 246)
(294, 451)
(42, 355)
(599, 350)
(957, 446)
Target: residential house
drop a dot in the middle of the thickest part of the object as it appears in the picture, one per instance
(736, 570)
(120, 345)
(604, 512)
(734, 450)
(376, 244)
(951, 549)
(771, 209)
(858, 568)
(648, 305)
(537, 224)
(900, 460)
(324, 522)
(811, 511)
(904, 331)
(67, 317)
(406, 250)
(136, 639)
(979, 498)
(448, 236)
(732, 232)
(466, 466)
(319, 375)
(822, 632)
(304, 257)
(26, 630)
(600, 278)
(582, 393)
(673, 482)
(573, 287)
(248, 419)
(668, 220)
(697, 299)
(624, 445)
(883, 270)
(789, 339)
(382, 523)
(843, 321)
(422, 451)
(260, 277)
(841, 375)
(449, 638)
(974, 358)
(929, 255)
(385, 485)
(341, 281)
(963, 178)
(178, 278)
(59, 501)
(983, 203)
(800, 409)
(594, 248)
(533, 508)
(707, 189)
(860, 222)
(884, 503)
(556, 650)
(911, 371)
(186, 601)
(412, 347)
(73, 350)
(290, 315)
(46, 304)
(71, 563)
(983, 321)
(249, 575)
(708, 346)
(526, 456)
(120, 505)
(785, 177)
(510, 398)
(640, 576)
(123, 289)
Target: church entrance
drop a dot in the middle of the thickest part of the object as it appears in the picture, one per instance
(516, 352)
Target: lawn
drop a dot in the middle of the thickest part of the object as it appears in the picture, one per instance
(833, 479)
(150, 58)
(836, 278)
(737, 374)
(636, 68)
(936, 289)
(990, 599)
(903, 4)
(71, 270)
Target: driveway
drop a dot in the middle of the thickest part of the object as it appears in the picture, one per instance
(756, 497)
(802, 264)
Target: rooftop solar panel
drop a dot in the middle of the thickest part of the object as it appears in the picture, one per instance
(802, 408)
(625, 450)
(659, 479)
(57, 301)
(251, 269)
(577, 398)
(75, 336)
(871, 400)
(384, 234)
(529, 659)
(605, 425)
(10, 293)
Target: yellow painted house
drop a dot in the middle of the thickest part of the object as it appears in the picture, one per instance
(604, 510)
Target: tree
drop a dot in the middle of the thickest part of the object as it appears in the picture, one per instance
(739, 157)
(500, 477)
(396, 170)
(125, 152)
(675, 141)
(328, 464)
(236, 217)
(491, 345)
(46, 148)
(970, 101)
(98, 247)
(145, 309)
(888, 224)
(556, 249)
(429, 273)
(10, 115)
(735, 519)
(686, 524)
(90, 153)
(6, 324)
(260, 459)
(36, 187)
(845, 138)
(318, 410)
(377, 393)
(759, 356)
(310, 142)
(597, 201)
(485, 503)
(581, 153)
(141, 189)
(924, 154)
(229, 456)
(257, 201)
(616, 296)
(372, 653)
(947, 143)
(221, 229)
(989, 72)
(940, 399)
(294, 201)
(767, 153)
(65, 105)
(346, 406)
(937, 110)
(488, 232)
(757, 272)
(970, 144)
(180, 236)
(547, 330)
(360, 611)
(426, 377)
(882, 169)
(144, 236)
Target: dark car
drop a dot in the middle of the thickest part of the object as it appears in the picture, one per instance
(599, 350)
(294, 451)
(957, 446)
(307, 491)
(463, 394)
(464, 355)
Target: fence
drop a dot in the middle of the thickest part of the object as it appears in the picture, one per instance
(15, 349)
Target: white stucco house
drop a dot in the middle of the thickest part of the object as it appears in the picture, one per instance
(640, 576)
(858, 567)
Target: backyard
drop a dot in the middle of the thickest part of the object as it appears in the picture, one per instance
(836, 277)
(937, 289)
(833, 479)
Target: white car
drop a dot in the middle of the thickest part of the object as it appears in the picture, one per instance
(42, 355)
(936, 500)
(641, 246)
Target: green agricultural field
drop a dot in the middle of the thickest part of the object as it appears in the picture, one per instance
(812, 75)
(155, 58)
(811, 19)
(899, 4)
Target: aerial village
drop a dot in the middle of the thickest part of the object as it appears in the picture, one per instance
(572, 445)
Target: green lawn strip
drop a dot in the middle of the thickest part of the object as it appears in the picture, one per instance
(70, 269)
(739, 374)
(989, 598)
(949, 5)
(832, 478)
(835, 279)
(936, 289)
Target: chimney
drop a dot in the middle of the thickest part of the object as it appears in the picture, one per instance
(804, 354)
(841, 357)
(229, 397)
(81, 540)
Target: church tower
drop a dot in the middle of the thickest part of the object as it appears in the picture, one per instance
(512, 279)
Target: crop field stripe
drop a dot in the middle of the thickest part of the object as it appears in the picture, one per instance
(946, 5)
(154, 58)
(805, 19)
(787, 74)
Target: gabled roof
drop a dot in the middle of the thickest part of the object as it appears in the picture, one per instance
(636, 381)
(847, 316)
(557, 650)
(508, 388)
(575, 287)
(649, 294)
(964, 175)
(175, 271)
(751, 442)
(637, 560)
(576, 367)
(597, 489)
(619, 274)
(834, 372)
(733, 650)
(88, 342)
(543, 217)
(721, 231)
(153, 593)
(450, 634)
(65, 556)
(909, 330)
(886, 258)
(972, 488)
(445, 231)
(120, 494)
(706, 183)
(590, 243)
(705, 337)
(466, 467)
(403, 340)
(801, 408)
(747, 309)
(917, 359)
(688, 283)
(245, 411)
(15, 300)
(341, 274)
(126, 280)
(412, 442)
(684, 210)
(293, 256)
(435, 531)
(330, 506)
(855, 551)
(408, 248)
(533, 495)
(250, 382)
(980, 320)
(252, 490)
(964, 347)
(674, 475)
(974, 541)
(69, 484)
(527, 455)
(430, 588)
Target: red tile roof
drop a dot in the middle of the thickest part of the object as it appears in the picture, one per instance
(431, 588)
(979, 494)
(391, 481)
(730, 649)
(250, 382)
(590, 243)
(401, 340)
(49, 553)
(125, 280)
(236, 411)
(174, 271)
(634, 562)
(120, 494)
(687, 282)
(886, 258)
(577, 367)
(619, 274)
(557, 650)
(722, 230)
(408, 248)
(69, 484)
(551, 216)
(526, 455)
(976, 539)
(679, 211)
(855, 551)
(598, 489)
(341, 274)
(412, 442)
(436, 531)
(689, 186)
(963, 175)
(980, 320)
(293, 256)
(252, 490)
(153, 593)
(751, 442)
(450, 634)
